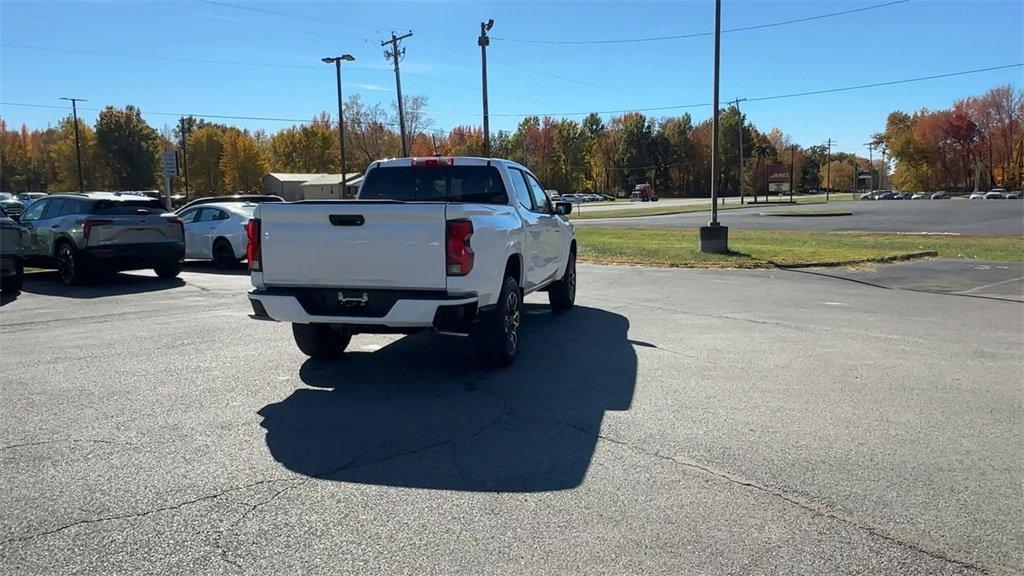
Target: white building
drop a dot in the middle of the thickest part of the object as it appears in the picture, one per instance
(294, 187)
(329, 186)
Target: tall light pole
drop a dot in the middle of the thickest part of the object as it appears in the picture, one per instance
(337, 60)
(484, 42)
(714, 237)
(78, 142)
(394, 54)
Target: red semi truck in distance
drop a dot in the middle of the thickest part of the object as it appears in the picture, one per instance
(644, 193)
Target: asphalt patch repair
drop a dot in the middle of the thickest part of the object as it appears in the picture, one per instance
(976, 278)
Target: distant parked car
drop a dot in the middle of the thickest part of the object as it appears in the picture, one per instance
(977, 196)
(866, 196)
(574, 198)
(553, 195)
(901, 196)
(216, 231)
(940, 195)
(1013, 195)
(885, 195)
(11, 206)
(995, 194)
(82, 233)
(27, 198)
(250, 198)
(920, 196)
(12, 256)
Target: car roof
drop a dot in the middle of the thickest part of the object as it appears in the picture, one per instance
(227, 205)
(114, 196)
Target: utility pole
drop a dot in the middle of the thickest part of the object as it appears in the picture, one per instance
(393, 54)
(736, 103)
(885, 169)
(871, 167)
(78, 142)
(184, 155)
(828, 171)
(484, 42)
(714, 237)
(792, 165)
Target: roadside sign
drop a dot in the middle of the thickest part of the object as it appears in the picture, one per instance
(778, 173)
(778, 187)
(170, 161)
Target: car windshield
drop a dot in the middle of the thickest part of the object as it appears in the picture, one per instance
(127, 207)
(474, 184)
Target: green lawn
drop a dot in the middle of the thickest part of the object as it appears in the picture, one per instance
(763, 248)
(593, 211)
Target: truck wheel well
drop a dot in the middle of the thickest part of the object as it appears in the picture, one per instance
(514, 268)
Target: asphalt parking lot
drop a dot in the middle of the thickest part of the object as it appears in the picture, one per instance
(676, 422)
(969, 217)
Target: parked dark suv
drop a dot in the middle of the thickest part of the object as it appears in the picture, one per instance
(79, 234)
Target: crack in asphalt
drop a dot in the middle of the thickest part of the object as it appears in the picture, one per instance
(140, 514)
(61, 441)
(508, 412)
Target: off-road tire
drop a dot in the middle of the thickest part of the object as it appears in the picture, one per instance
(497, 332)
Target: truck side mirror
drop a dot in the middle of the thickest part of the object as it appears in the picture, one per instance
(563, 208)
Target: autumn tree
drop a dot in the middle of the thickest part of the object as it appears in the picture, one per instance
(206, 145)
(242, 163)
(131, 147)
(64, 158)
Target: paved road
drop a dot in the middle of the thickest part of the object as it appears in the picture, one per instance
(676, 422)
(991, 217)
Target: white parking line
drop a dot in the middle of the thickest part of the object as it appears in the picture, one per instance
(983, 286)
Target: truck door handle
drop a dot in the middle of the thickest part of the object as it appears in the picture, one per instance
(347, 219)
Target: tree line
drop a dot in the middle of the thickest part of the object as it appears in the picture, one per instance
(978, 138)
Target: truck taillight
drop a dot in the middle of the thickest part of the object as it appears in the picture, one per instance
(89, 223)
(458, 252)
(252, 247)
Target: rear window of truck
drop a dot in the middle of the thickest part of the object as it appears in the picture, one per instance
(467, 184)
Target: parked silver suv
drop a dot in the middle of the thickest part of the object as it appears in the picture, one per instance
(79, 234)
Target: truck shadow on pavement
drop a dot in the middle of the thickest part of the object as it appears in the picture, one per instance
(422, 413)
(49, 284)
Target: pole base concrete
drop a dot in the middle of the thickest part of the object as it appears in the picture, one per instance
(714, 239)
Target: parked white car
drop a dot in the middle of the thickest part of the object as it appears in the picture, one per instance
(977, 196)
(452, 244)
(216, 231)
(996, 194)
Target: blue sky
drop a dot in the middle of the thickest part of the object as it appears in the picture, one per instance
(911, 39)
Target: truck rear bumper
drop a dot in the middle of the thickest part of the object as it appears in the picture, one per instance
(415, 312)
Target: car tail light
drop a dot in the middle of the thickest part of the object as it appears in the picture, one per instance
(432, 162)
(458, 252)
(253, 252)
(89, 223)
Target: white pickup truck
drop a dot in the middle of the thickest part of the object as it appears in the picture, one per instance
(446, 243)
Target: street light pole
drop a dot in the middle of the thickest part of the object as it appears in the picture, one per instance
(871, 167)
(828, 171)
(714, 237)
(484, 42)
(78, 142)
(336, 60)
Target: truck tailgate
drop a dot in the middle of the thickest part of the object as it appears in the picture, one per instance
(354, 244)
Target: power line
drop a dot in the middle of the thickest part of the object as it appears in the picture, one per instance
(761, 98)
(702, 34)
(655, 109)
(221, 116)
